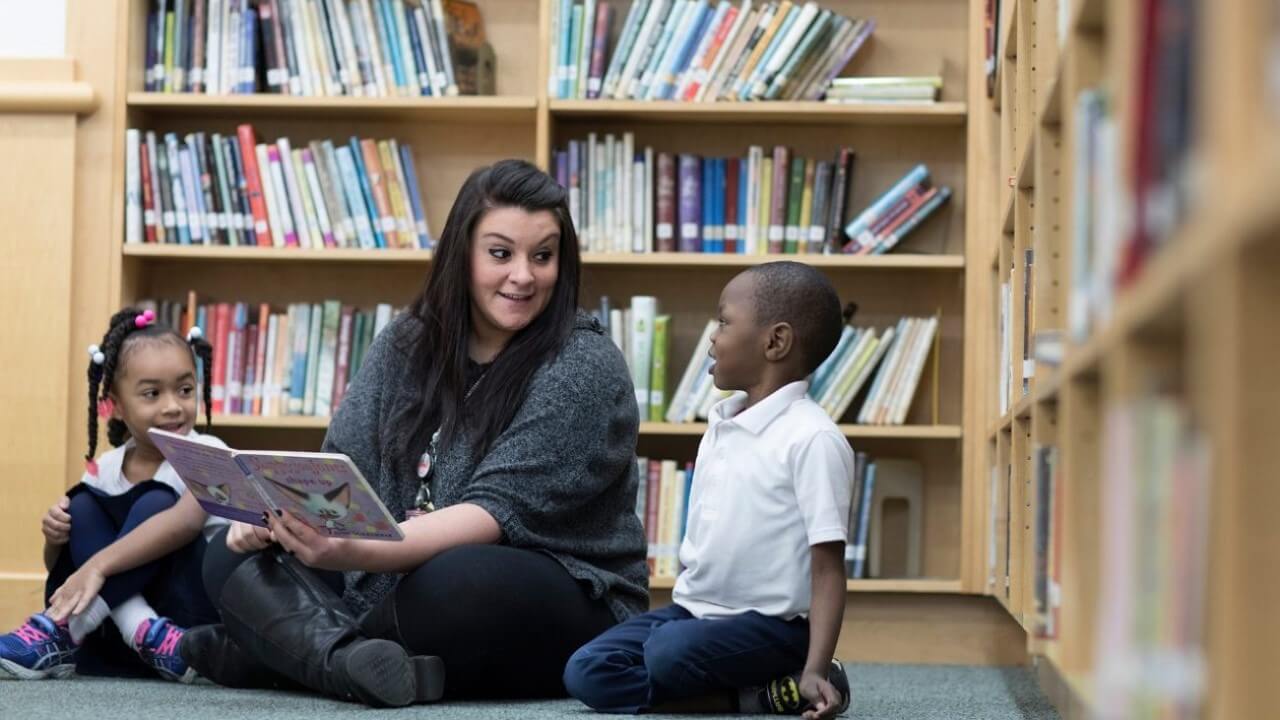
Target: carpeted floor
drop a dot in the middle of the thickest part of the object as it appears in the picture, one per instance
(880, 692)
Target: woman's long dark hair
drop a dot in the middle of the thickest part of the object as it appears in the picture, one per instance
(439, 353)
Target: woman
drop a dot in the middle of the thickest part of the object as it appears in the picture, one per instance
(501, 423)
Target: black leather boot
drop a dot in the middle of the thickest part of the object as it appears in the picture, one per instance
(215, 656)
(276, 610)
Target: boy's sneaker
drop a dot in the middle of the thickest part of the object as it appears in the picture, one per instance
(157, 642)
(782, 696)
(39, 649)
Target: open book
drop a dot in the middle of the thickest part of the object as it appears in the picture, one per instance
(324, 490)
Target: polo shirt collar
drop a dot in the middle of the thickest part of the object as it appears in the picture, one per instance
(757, 417)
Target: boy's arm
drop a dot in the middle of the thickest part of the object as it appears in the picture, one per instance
(826, 612)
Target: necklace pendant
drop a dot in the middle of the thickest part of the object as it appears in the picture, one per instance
(422, 503)
(424, 465)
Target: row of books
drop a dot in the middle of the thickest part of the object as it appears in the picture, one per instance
(1097, 238)
(1162, 130)
(860, 504)
(1047, 546)
(1018, 367)
(270, 364)
(662, 503)
(898, 89)
(625, 200)
(893, 360)
(210, 189)
(900, 354)
(643, 336)
(699, 50)
(1150, 649)
(372, 48)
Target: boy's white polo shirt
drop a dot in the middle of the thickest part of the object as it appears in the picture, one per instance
(770, 481)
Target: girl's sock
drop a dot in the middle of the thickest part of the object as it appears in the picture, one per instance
(89, 620)
(129, 615)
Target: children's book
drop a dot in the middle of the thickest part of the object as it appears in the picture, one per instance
(324, 490)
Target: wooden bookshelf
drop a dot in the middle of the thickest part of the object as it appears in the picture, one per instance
(1185, 325)
(942, 268)
(926, 275)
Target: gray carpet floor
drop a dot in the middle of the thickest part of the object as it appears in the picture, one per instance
(880, 692)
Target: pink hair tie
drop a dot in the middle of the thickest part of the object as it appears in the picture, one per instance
(105, 408)
(144, 319)
(91, 467)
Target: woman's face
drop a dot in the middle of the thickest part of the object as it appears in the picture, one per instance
(514, 265)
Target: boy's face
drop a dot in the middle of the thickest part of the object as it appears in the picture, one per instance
(738, 343)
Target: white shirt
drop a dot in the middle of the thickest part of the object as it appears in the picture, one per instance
(111, 479)
(770, 482)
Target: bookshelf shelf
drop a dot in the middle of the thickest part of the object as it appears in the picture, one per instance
(1009, 43)
(1022, 408)
(199, 253)
(647, 429)
(473, 109)
(1087, 16)
(1027, 163)
(1050, 111)
(887, 585)
(901, 261)
(941, 113)
(1001, 424)
(284, 422)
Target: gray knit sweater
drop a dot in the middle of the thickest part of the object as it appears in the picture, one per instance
(561, 479)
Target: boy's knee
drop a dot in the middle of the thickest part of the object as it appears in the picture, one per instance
(586, 678)
(577, 671)
(666, 657)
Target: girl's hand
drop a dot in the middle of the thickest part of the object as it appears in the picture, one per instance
(56, 524)
(245, 538)
(76, 593)
(823, 697)
(312, 548)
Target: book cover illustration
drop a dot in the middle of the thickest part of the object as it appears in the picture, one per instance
(324, 490)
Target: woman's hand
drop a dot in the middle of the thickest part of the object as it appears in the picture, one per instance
(823, 697)
(76, 593)
(245, 538)
(56, 524)
(314, 549)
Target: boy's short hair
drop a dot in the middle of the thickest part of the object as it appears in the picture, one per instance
(797, 294)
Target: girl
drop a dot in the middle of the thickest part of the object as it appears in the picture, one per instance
(125, 542)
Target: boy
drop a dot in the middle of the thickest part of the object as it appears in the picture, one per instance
(762, 592)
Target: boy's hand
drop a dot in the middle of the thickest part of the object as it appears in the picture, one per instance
(56, 524)
(823, 697)
(76, 593)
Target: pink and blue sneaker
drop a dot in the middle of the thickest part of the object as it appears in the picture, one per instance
(39, 649)
(157, 642)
